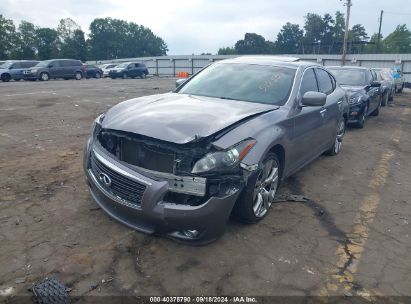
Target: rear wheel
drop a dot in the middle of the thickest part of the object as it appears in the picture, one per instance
(44, 76)
(376, 112)
(5, 77)
(78, 76)
(143, 76)
(98, 75)
(385, 98)
(336, 148)
(256, 198)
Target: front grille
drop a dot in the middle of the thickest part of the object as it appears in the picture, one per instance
(121, 186)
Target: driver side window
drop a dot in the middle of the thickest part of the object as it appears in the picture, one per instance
(309, 82)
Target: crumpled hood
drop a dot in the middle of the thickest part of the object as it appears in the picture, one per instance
(179, 118)
(353, 90)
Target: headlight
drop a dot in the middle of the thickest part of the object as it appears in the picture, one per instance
(34, 71)
(224, 160)
(355, 100)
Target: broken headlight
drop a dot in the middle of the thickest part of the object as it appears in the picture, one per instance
(224, 160)
(96, 127)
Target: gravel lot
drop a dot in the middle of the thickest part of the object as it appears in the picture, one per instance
(353, 236)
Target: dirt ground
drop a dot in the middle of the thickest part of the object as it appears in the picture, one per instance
(353, 236)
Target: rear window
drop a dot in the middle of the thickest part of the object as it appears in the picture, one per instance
(352, 77)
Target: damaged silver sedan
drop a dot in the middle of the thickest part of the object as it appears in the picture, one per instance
(179, 164)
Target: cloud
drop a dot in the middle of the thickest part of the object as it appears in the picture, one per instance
(197, 26)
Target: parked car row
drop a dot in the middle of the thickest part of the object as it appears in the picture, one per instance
(179, 164)
(67, 69)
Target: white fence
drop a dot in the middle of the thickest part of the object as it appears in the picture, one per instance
(171, 65)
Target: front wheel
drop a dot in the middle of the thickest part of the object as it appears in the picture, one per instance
(44, 76)
(98, 75)
(385, 98)
(5, 77)
(361, 122)
(256, 198)
(124, 76)
(336, 148)
(143, 76)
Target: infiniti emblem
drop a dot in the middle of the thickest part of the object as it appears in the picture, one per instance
(105, 179)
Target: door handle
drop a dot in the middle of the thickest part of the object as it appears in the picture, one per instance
(322, 112)
(339, 102)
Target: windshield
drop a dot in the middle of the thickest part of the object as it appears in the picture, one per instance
(350, 76)
(43, 64)
(6, 65)
(123, 65)
(245, 82)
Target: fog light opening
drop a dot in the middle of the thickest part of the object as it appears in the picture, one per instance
(192, 234)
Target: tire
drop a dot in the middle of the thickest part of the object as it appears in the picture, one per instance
(336, 147)
(124, 76)
(385, 98)
(376, 112)
(400, 90)
(44, 76)
(143, 76)
(97, 75)
(78, 76)
(256, 198)
(360, 124)
(5, 77)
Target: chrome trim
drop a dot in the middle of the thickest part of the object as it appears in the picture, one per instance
(110, 195)
(119, 170)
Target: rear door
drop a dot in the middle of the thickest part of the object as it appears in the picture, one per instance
(55, 69)
(16, 71)
(308, 132)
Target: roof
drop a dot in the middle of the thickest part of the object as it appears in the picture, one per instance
(269, 60)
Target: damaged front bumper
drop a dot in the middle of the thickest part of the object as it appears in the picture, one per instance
(155, 212)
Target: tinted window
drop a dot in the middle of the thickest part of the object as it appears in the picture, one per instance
(55, 64)
(245, 82)
(308, 83)
(324, 81)
(16, 65)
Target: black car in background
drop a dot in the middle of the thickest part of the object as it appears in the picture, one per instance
(363, 89)
(129, 69)
(92, 71)
(384, 76)
(13, 69)
(55, 68)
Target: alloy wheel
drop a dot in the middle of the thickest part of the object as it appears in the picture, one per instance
(265, 188)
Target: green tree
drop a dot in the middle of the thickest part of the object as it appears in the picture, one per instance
(373, 46)
(227, 51)
(356, 37)
(75, 46)
(8, 37)
(314, 26)
(26, 42)
(66, 29)
(47, 43)
(114, 38)
(338, 33)
(289, 39)
(399, 41)
(253, 44)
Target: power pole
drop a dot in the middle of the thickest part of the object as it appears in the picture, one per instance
(348, 4)
(379, 32)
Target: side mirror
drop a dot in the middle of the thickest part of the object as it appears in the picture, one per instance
(314, 99)
(10, 68)
(179, 82)
(375, 84)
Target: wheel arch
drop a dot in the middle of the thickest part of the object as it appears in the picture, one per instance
(279, 150)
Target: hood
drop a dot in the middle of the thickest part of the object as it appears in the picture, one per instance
(353, 90)
(179, 118)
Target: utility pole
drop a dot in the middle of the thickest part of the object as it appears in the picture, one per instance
(348, 4)
(379, 32)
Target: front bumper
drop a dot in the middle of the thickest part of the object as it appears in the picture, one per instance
(155, 215)
(355, 112)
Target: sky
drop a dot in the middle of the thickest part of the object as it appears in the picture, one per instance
(203, 26)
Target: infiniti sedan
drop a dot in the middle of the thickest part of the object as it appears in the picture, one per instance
(179, 164)
(363, 89)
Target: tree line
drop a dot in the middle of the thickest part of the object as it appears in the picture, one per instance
(108, 39)
(322, 35)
